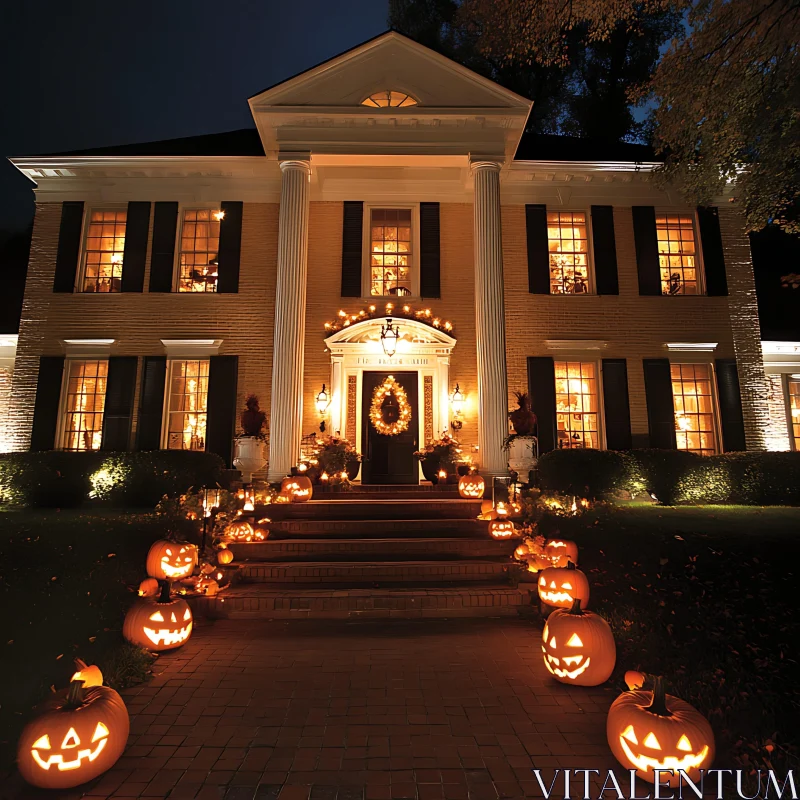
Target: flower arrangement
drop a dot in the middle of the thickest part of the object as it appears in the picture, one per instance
(522, 418)
(332, 457)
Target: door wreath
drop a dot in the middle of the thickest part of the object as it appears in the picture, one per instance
(390, 388)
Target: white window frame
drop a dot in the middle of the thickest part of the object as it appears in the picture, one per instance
(587, 212)
(601, 408)
(165, 412)
(366, 248)
(717, 421)
(87, 216)
(786, 379)
(61, 428)
(700, 266)
(176, 261)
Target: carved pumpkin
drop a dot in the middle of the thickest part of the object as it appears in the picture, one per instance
(634, 679)
(471, 486)
(561, 586)
(242, 531)
(653, 730)
(172, 561)
(88, 675)
(559, 551)
(488, 510)
(502, 509)
(207, 586)
(163, 623)
(578, 647)
(538, 562)
(77, 735)
(298, 488)
(224, 556)
(522, 552)
(502, 528)
(148, 588)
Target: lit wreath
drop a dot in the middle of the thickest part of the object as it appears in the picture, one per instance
(390, 386)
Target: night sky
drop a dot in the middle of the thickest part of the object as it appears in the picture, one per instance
(86, 74)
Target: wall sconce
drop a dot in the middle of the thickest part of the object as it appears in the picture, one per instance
(389, 336)
(322, 402)
(457, 402)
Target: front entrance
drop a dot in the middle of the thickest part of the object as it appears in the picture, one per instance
(389, 459)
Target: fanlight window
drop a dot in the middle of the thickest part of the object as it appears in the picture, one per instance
(389, 99)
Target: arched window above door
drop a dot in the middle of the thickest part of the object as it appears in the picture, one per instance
(389, 99)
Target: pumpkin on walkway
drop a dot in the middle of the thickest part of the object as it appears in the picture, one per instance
(562, 586)
(158, 624)
(167, 560)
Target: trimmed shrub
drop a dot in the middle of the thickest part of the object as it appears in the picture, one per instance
(584, 472)
(660, 471)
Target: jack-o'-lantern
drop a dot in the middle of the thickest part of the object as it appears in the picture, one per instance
(502, 509)
(148, 588)
(488, 510)
(559, 551)
(89, 675)
(471, 486)
(634, 679)
(172, 561)
(224, 556)
(578, 647)
(561, 586)
(538, 562)
(650, 731)
(207, 586)
(522, 552)
(502, 528)
(77, 735)
(298, 488)
(239, 531)
(161, 623)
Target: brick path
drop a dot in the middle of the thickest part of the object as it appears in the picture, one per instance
(355, 711)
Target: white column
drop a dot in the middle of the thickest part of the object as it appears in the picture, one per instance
(490, 320)
(286, 414)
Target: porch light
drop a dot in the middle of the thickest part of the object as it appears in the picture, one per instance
(389, 336)
(322, 401)
(457, 402)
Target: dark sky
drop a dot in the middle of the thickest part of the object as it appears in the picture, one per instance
(81, 73)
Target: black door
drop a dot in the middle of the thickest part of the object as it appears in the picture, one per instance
(389, 459)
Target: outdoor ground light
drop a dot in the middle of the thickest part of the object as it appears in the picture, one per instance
(322, 401)
(389, 336)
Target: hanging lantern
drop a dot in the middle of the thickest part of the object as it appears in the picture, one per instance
(389, 337)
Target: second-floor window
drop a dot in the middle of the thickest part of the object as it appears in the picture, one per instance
(199, 250)
(84, 404)
(577, 415)
(103, 251)
(390, 252)
(677, 256)
(568, 244)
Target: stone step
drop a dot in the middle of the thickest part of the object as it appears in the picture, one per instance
(382, 492)
(252, 601)
(371, 509)
(378, 528)
(367, 573)
(382, 549)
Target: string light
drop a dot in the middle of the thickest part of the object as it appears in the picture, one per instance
(425, 316)
(382, 391)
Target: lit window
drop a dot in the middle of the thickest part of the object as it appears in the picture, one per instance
(105, 244)
(694, 408)
(390, 251)
(794, 410)
(676, 255)
(576, 404)
(569, 252)
(84, 404)
(389, 100)
(187, 405)
(199, 250)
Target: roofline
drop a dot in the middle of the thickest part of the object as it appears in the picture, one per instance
(591, 166)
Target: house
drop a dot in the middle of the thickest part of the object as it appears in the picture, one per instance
(388, 216)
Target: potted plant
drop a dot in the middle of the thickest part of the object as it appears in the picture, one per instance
(249, 456)
(337, 455)
(522, 445)
(437, 455)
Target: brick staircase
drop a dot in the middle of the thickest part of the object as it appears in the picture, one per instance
(377, 551)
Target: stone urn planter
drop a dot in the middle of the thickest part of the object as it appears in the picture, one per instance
(249, 457)
(522, 455)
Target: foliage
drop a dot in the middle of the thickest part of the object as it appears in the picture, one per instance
(586, 472)
(443, 453)
(125, 666)
(335, 454)
(252, 418)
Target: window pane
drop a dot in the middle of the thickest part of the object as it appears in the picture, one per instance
(794, 407)
(694, 408)
(104, 250)
(390, 234)
(199, 255)
(187, 405)
(676, 247)
(569, 254)
(84, 404)
(576, 404)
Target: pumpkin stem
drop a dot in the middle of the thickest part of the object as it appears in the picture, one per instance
(576, 607)
(658, 705)
(166, 587)
(75, 694)
(570, 565)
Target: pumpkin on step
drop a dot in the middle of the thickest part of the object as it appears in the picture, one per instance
(502, 528)
(167, 560)
(224, 556)
(298, 488)
(161, 623)
(561, 586)
(471, 486)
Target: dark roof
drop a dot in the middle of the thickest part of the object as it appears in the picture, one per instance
(549, 147)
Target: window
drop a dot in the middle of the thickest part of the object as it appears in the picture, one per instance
(390, 251)
(187, 405)
(103, 251)
(794, 410)
(676, 254)
(569, 252)
(199, 266)
(84, 403)
(576, 404)
(694, 408)
(389, 100)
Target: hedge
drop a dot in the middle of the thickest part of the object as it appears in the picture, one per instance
(675, 476)
(60, 479)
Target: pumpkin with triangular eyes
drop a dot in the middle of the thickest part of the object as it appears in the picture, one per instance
(650, 731)
(161, 623)
(562, 586)
(172, 561)
(502, 528)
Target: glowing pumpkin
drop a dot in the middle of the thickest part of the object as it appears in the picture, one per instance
(298, 488)
(77, 735)
(562, 586)
(207, 586)
(488, 510)
(502, 528)
(158, 624)
(634, 679)
(224, 556)
(172, 561)
(471, 486)
(654, 730)
(522, 551)
(578, 647)
(148, 588)
(88, 675)
(239, 531)
(282, 497)
(537, 562)
(559, 551)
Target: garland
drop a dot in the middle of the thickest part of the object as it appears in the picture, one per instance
(389, 386)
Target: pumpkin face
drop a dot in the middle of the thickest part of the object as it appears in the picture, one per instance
(562, 586)
(157, 624)
(502, 528)
(78, 735)
(560, 551)
(171, 560)
(298, 488)
(471, 486)
(653, 730)
(224, 556)
(242, 531)
(578, 647)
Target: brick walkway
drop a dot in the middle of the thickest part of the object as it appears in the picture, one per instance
(355, 711)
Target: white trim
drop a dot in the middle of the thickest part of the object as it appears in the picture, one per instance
(575, 345)
(691, 347)
(191, 349)
(90, 349)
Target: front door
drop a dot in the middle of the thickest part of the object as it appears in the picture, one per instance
(387, 458)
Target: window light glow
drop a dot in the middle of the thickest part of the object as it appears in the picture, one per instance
(389, 99)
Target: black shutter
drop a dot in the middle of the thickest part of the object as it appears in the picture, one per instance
(162, 258)
(660, 409)
(542, 389)
(644, 234)
(48, 397)
(352, 233)
(230, 247)
(137, 229)
(151, 403)
(120, 388)
(730, 405)
(616, 407)
(69, 246)
(538, 254)
(604, 244)
(223, 374)
(429, 259)
(713, 256)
